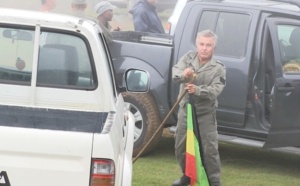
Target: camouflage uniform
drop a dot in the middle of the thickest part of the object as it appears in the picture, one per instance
(209, 81)
(106, 32)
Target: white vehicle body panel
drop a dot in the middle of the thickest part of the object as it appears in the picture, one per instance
(45, 157)
(59, 156)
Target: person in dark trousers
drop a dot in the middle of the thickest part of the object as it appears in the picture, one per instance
(145, 18)
(203, 78)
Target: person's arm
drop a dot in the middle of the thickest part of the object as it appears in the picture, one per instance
(180, 72)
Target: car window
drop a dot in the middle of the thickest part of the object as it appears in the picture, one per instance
(64, 62)
(232, 31)
(63, 59)
(289, 41)
(16, 46)
(208, 20)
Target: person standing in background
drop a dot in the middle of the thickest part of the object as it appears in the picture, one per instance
(78, 7)
(47, 5)
(104, 11)
(145, 18)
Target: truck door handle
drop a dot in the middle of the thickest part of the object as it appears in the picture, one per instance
(285, 89)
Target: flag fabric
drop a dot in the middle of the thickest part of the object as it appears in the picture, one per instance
(193, 166)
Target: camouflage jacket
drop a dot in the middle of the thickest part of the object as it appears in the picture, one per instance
(210, 80)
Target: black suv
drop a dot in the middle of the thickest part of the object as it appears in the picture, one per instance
(259, 43)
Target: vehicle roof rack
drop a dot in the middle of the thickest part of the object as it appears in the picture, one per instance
(293, 2)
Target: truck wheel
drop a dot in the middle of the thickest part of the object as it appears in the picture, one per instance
(147, 120)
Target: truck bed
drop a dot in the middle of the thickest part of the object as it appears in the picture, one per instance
(143, 37)
(147, 51)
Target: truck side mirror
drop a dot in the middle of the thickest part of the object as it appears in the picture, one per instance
(137, 80)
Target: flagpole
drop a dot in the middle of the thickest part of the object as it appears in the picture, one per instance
(161, 125)
(163, 122)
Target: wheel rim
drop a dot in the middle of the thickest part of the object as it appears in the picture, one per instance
(138, 124)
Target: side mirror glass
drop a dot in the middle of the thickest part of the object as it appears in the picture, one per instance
(137, 80)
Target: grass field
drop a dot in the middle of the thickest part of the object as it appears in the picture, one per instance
(241, 166)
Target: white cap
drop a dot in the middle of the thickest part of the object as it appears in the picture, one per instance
(103, 6)
(79, 2)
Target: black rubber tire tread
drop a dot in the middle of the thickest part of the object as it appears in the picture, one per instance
(146, 105)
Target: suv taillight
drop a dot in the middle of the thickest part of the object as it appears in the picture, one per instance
(103, 173)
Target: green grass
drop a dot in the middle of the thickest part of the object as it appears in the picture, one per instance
(241, 166)
(158, 167)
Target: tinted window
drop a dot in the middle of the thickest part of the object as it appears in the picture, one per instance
(64, 62)
(232, 30)
(16, 46)
(208, 20)
(289, 40)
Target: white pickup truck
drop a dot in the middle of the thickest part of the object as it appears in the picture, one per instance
(63, 121)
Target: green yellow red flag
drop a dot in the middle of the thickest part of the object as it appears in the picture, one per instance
(194, 167)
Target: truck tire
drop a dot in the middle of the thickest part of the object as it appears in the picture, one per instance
(147, 120)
